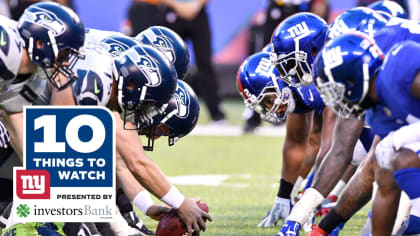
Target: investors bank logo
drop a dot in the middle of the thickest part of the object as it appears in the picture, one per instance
(69, 165)
(22, 210)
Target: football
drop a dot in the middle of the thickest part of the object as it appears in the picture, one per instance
(171, 224)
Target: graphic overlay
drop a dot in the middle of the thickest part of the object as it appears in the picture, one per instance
(68, 172)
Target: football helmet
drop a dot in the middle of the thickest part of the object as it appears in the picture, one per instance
(266, 48)
(146, 82)
(361, 19)
(262, 89)
(116, 44)
(171, 44)
(52, 34)
(343, 69)
(389, 9)
(295, 42)
(180, 116)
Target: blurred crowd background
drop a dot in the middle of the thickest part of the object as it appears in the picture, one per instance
(220, 33)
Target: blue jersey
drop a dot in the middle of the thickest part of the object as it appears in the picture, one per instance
(397, 30)
(308, 99)
(398, 107)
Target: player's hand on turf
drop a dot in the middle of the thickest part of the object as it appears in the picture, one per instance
(156, 211)
(193, 217)
(4, 136)
(280, 210)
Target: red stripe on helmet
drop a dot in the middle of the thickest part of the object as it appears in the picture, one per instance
(238, 79)
(371, 41)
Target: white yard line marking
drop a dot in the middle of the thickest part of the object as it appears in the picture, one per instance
(209, 180)
(230, 130)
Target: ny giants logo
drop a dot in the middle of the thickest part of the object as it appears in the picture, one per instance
(33, 184)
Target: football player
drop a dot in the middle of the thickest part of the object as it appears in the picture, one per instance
(390, 105)
(259, 84)
(397, 31)
(158, 71)
(298, 124)
(46, 35)
(294, 61)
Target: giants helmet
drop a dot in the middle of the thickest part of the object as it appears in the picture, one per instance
(295, 42)
(361, 19)
(343, 70)
(259, 85)
(389, 9)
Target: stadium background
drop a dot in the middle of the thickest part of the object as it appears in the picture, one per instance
(230, 21)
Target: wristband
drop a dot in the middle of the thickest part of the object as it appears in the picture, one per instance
(143, 201)
(173, 198)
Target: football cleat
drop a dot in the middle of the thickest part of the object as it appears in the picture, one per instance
(317, 232)
(290, 228)
(280, 210)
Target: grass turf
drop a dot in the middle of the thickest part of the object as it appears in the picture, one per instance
(253, 164)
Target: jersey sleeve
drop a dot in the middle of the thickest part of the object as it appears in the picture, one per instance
(11, 49)
(95, 76)
(308, 99)
(405, 64)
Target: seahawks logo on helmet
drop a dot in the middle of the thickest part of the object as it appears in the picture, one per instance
(182, 99)
(162, 43)
(147, 66)
(45, 19)
(114, 47)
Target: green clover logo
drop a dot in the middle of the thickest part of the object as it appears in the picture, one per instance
(23, 210)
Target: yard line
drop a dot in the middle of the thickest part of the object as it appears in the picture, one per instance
(231, 130)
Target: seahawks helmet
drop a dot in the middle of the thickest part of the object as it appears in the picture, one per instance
(343, 71)
(116, 44)
(260, 86)
(171, 44)
(295, 42)
(52, 34)
(180, 116)
(146, 82)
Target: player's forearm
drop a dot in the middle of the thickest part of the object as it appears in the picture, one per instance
(144, 170)
(293, 158)
(127, 181)
(339, 157)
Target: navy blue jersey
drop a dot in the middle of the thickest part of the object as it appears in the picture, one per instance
(308, 99)
(366, 138)
(398, 107)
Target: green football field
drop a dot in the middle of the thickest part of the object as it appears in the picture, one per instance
(236, 176)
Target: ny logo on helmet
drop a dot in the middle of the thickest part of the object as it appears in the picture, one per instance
(332, 58)
(264, 67)
(338, 29)
(45, 19)
(182, 99)
(299, 31)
